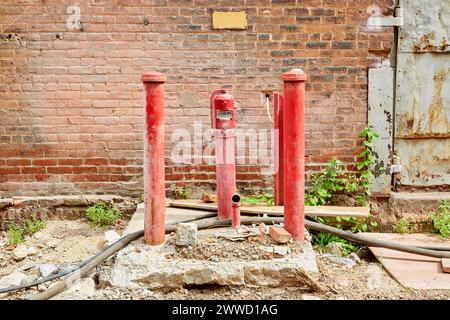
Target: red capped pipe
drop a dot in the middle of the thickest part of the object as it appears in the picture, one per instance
(154, 181)
(236, 204)
(294, 152)
(223, 116)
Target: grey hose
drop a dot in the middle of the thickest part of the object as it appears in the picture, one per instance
(61, 285)
(82, 264)
(213, 222)
(369, 241)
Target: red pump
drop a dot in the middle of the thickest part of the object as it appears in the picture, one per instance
(223, 115)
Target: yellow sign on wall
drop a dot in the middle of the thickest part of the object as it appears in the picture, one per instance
(230, 20)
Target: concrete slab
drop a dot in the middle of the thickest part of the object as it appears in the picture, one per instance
(420, 196)
(164, 268)
(416, 206)
(141, 264)
(411, 270)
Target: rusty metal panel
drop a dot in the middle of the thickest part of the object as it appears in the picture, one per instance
(422, 106)
(426, 162)
(423, 96)
(426, 26)
(380, 117)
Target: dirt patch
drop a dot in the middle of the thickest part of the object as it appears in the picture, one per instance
(258, 246)
(364, 281)
(61, 244)
(65, 243)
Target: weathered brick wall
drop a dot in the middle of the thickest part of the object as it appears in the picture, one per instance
(71, 100)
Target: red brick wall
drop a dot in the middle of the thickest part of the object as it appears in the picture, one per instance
(71, 101)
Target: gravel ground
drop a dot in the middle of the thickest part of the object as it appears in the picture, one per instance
(64, 243)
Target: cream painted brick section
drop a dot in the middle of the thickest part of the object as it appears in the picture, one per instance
(230, 20)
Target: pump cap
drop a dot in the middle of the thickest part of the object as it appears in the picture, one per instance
(295, 75)
(153, 77)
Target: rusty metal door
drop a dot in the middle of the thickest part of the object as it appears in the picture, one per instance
(422, 106)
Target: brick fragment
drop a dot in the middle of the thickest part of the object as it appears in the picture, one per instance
(279, 234)
(445, 265)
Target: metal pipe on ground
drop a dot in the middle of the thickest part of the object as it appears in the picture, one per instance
(206, 223)
(236, 204)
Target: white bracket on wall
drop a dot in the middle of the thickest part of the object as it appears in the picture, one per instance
(396, 166)
(395, 21)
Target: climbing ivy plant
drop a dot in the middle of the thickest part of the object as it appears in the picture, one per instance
(324, 184)
(333, 179)
(367, 159)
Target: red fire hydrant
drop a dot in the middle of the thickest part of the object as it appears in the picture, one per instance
(154, 182)
(223, 116)
(294, 152)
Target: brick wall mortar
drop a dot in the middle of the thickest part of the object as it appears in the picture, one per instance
(71, 101)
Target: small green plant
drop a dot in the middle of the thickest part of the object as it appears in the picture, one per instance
(33, 225)
(356, 225)
(323, 239)
(264, 198)
(441, 220)
(333, 179)
(102, 214)
(324, 184)
(17, 232)
(181, 193)
(367, 159)
(402, 226)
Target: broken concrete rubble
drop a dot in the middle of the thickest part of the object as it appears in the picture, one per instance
(47, 269)
(186, 234)
(111, 236)
(343, 261)
(22, 251)
(81, 290)
(334, 248)
(14, 279)
(150, 266)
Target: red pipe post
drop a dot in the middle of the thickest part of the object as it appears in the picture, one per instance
(279, 148)
(236, 203)
(223, 121)
(154, 181)
(294, 152)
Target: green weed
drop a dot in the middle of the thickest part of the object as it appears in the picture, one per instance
(17, 232)
(441, 220)
(102, 214)
(257, 199)
(181, 193)
(402, 226)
